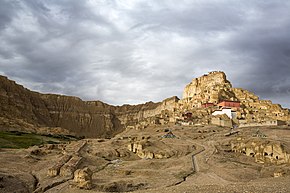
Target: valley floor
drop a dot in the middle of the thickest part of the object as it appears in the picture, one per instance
(190, 159)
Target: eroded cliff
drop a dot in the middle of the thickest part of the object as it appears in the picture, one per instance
(22, 109)
(25, 110)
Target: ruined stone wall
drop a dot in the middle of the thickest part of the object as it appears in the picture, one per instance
(221, 120)
(263, 123)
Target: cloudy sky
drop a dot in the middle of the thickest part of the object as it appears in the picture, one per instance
(133, 51)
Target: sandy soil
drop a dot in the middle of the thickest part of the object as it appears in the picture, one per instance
(198, 161)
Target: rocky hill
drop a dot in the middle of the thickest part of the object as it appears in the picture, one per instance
(210, 88)
(25, 110)
(214, 87)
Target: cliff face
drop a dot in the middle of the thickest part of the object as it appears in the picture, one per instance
(209, 88)
(20, 106)
(22, 109)
(90, 119)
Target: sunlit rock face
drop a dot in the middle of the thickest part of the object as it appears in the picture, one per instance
(25, 110)
(263, 150)
(209, 88)
(22, 109)
(83, 178)
(214, 88)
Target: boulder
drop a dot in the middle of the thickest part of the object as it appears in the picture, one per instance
(83, 178)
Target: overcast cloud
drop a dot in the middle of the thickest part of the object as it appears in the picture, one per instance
(133, 51)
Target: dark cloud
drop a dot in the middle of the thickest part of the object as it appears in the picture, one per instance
(7, 10)
(137, 51)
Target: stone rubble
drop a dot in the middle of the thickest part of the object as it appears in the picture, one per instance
(83, 178)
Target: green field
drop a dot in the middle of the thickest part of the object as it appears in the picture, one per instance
(15, 139)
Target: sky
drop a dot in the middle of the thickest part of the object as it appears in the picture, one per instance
(134, 51)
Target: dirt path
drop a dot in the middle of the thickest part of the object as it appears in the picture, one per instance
(203, 173)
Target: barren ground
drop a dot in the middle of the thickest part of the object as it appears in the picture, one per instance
(198, 160)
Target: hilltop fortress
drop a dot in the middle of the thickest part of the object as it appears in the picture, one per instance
(204, 102)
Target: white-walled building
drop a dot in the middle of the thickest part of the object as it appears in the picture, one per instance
(228, 111)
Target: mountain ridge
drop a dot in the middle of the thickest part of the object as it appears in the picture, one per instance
(22, 109)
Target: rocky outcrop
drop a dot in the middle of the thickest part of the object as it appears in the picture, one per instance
(138, 148)
(263, 150)
(211, 88)
(83, 178)
(69, 167)
(69, 161)
(55, 169)
(214, 88)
